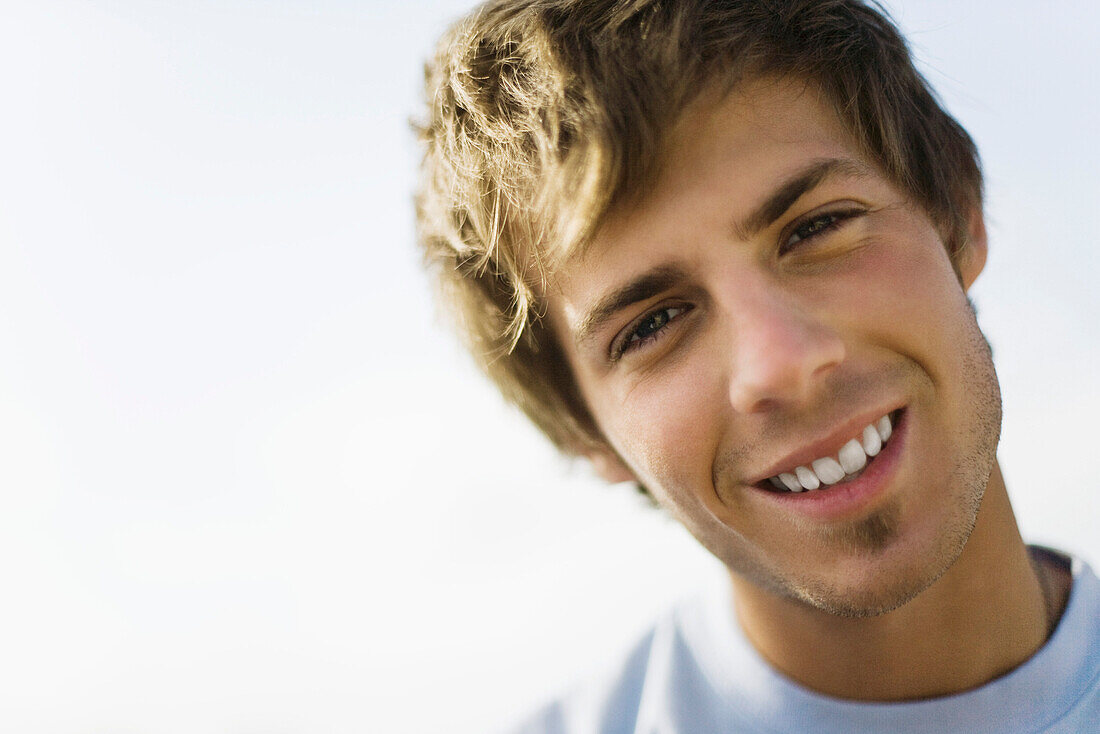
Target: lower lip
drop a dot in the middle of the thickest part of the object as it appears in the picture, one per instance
(847, 499)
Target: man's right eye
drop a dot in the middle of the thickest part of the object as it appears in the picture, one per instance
(646, 330)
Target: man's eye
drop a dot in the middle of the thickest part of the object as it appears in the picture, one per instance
(818, 224)
(647, 329)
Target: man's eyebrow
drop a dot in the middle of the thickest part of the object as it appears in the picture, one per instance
(793, 188)
(644, 287)
(664, 277)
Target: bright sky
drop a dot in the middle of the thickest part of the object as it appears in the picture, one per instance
(250, 486)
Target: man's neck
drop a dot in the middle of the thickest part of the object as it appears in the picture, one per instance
(991, 611)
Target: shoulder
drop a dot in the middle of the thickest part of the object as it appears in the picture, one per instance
(1074, 649)
(659, 670)
(606, 702)
(692, 672)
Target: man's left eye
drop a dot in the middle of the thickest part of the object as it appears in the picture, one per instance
(818, 224)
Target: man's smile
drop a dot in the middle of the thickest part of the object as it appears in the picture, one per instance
(855, 492)
(832, 465)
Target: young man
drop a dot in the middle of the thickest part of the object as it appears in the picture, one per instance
(722, 248)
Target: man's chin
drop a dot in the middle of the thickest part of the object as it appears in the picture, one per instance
(863, 603)
(877, 569)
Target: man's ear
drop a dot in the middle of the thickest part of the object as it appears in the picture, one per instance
(971, 258)
(608, 464)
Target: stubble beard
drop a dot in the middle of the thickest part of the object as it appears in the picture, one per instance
(874, 535)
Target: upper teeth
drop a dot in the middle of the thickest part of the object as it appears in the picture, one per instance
(851, 458)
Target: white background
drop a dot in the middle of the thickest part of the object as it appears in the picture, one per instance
(249, 485)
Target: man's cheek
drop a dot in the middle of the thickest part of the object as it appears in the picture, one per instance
(894, 293)
(669, 434)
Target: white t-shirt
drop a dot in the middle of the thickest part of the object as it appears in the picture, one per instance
(694, 673)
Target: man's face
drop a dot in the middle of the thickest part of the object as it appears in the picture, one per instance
(769, 298)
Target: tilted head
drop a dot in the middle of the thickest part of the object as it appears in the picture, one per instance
(546, 116)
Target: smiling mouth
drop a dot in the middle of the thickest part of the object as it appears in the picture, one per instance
(844, 466)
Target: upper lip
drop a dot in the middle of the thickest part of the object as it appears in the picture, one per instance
(827, 445)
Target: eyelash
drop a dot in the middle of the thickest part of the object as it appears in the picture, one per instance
(831, 219)
(629, 343)
(828, 221)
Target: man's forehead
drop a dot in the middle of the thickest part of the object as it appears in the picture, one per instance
(701, 137)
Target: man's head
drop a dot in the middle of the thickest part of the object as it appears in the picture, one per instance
(544, 116)
(706, 243)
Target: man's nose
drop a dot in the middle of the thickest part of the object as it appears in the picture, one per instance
(781, 351)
